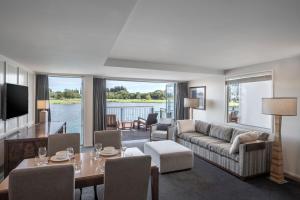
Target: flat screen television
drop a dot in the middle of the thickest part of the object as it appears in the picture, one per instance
(14, 101)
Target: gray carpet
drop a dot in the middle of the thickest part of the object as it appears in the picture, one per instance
(207, 182)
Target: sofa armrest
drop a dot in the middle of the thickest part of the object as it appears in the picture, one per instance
(252, 146)
(172, 132)
(254, 158)
(153, 127)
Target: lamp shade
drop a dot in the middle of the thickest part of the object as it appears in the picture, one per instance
(42, 104)
(284, 106)
(191, 103)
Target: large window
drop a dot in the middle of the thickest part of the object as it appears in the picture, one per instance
(66, 102)
(130, 100)
(244, 99)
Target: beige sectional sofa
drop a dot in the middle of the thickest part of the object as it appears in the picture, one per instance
(212, 143)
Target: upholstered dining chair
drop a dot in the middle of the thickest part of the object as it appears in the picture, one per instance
(46, 183)
(108, 138)
(127, 178)
(59, 142)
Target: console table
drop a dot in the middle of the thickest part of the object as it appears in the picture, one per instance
(25, 143)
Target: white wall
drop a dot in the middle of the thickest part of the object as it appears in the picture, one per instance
(13, 72)
(286, 82)
(215, 99)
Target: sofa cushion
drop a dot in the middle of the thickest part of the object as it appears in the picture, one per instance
(162, 127)
(189, 136)
(236, 132)
(185, 126)
(223, 149)
(202, 127)
(221, 132)
(159, 134)
(204, 141)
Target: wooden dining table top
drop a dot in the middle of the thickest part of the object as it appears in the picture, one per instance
(91, 169)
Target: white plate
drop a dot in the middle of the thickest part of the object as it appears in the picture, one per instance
(112, 153)
(55, 159)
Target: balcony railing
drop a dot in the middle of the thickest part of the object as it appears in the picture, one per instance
(130, 113)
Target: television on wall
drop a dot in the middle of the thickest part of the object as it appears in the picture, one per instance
(14, 101)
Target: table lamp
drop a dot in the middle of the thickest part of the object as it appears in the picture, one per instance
(283, 106)
(191, 103)
(43, 105)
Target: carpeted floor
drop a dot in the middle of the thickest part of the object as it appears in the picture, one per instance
(208, 182)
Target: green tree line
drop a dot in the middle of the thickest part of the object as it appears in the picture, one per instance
(120, 92)
(66, 94)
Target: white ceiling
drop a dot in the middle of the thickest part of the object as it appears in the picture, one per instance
(61, 36)
(157, 39)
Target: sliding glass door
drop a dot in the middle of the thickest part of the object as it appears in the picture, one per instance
(170, 100)
(66, 102)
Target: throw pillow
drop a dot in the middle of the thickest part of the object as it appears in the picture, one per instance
(241, 139)
(237, 132)
(185, 126)
(162, 127)
(263, 136)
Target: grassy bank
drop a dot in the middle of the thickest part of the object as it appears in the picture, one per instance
(65, 101)
(76, 101)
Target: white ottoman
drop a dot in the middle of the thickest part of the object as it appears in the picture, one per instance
(169, 156)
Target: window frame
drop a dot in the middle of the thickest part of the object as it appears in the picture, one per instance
(246, 76)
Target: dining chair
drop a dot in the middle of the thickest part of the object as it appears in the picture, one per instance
(108, 138)
(59, 142)
(127, 178)
(46, 183)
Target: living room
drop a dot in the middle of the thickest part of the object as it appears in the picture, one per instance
(227, 124)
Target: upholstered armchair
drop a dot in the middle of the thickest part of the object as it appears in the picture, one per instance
(164, 130)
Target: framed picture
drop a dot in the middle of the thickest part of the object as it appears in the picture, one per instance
(200, 93)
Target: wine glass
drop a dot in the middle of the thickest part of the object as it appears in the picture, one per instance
(42, 154)
(70, 151)
(98, 148)
(123, 150)
(77, 165)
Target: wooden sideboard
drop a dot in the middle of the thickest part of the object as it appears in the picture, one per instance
(25, 143)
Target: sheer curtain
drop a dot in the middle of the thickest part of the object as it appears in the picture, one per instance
(42, 93)
(99, 103)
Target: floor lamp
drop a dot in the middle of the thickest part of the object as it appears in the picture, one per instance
(43, 106)
(191, 103)
(278, 107)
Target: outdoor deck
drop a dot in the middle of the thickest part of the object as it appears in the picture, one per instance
(135, 134)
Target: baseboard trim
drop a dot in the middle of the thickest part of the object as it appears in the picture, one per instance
(292, 177)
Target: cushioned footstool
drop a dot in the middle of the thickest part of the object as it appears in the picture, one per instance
(169, 156)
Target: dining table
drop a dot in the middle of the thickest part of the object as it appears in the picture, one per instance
(90, 170)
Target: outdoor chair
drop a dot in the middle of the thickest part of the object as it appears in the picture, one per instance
(111, 122)
(146, 123)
